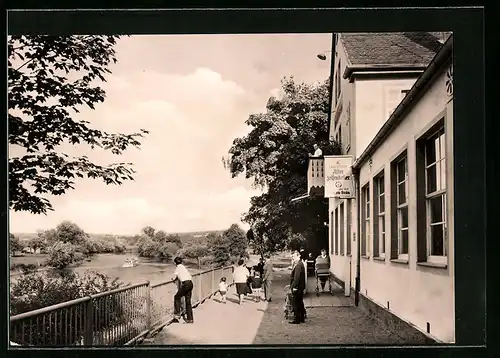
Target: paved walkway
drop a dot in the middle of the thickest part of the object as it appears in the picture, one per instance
(217, 323)
(331, 319)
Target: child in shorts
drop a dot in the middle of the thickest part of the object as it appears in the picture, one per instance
(223, 289)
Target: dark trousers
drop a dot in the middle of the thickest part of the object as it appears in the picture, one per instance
(299, 310)
(267, 289)
(185, 290)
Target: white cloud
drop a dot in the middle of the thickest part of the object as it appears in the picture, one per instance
(192, 120)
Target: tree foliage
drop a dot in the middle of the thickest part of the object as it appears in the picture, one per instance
(15, 245)
(236, 240)
(275, 155)
(195, 251)
(50, 78)
(37, 243)
(158, 244)
(220, 249)
(69, 232)
(61, 255)
(37, 290)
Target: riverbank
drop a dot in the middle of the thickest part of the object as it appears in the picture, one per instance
(111, 265)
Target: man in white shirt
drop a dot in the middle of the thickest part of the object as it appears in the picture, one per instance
(185, 289)
(317, 151)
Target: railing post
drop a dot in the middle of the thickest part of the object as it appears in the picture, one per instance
(88, 334)
(213, 281)
(148, 305)
(199, 287)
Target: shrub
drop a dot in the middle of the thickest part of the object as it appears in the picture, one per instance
(25, 268)
(194, 251)
(167, 251)
(207, 261)
(34, 291)
(61, 255)
(147, 248)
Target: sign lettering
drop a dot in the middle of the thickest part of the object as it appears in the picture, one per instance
(338, 177)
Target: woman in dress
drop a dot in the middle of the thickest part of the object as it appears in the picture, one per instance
(240, 277)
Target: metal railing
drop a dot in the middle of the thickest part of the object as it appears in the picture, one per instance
(112, 318)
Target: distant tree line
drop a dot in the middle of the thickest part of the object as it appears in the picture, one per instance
(216, 249)
(67, 244)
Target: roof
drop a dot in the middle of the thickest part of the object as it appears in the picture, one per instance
(391, 48)
(441, 59)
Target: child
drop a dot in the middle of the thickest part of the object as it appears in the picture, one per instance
(257, 285)
(223, 289)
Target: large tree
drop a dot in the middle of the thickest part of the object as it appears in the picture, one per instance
(49, 79)
(275, 155)
(236, 239)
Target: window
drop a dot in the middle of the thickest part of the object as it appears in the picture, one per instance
(401, 169)
(348, 227)
(331, 232)
(365, 220)
(341, 220)
(336, 231)
(379, 219)
(431, 195)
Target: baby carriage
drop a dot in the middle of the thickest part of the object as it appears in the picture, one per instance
(322, 271)
(288, 308)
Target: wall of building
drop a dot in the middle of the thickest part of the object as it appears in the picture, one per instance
(372, 102)
(419, 295)
(346, 98)
(340, 262)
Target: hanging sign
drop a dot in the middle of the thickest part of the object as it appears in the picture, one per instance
(338, 177)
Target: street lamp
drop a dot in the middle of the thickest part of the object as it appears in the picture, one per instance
(322, 55)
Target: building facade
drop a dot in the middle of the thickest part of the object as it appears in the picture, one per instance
(392, 112)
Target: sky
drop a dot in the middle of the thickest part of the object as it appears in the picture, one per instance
(193, 93)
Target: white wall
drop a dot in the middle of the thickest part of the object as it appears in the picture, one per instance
(416, 294)
(371, 107)
(339, 264)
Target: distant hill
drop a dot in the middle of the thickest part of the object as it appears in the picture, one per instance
(185, 236)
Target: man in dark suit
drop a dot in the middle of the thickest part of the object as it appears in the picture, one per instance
(297, 285)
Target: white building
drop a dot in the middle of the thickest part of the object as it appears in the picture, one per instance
(389, 101)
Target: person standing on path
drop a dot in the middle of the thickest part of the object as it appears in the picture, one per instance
(185, 290)
(267, 277)
(240, 277)
(303, 258)
(260, 267)
(297, 281)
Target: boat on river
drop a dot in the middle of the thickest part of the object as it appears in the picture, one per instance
(131, 262)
